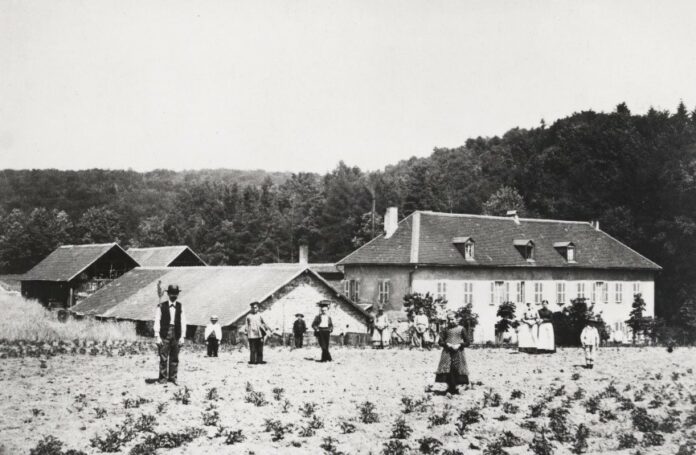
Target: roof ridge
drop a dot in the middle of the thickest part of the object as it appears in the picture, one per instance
(156, 247)
(373, 240)
(495, 217)
(623, 244)
(88, 244)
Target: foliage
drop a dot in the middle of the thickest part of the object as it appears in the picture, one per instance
(427, 302)
(467, 319)
(506, 313)
(580, 439)
(467, 418)
(395, 447)
(504, 199)
(627, 441)
(540, 445)
(429, 445)
(367, 412)
(636, 321)
(401, 430)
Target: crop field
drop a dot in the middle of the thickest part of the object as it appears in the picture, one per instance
(636, 400)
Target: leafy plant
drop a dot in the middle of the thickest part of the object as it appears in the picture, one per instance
(212, 394)
(256, 398)
(651, 439)
(537, 409)
(627, 441)
(234, 437)
(515, 394)
(580, 439)
(211, 417)
(467, 418)
(491, 398)
(145, 423)
(510, 408)
(278, 393)
(367, 412)
(346, 427)
(100, 412)
(558, 423)
(308, 409)
(441, 418)
(183, 396)
(642, 421)
(540, 445)
(429, 445)
(401, 430)
(395, 447)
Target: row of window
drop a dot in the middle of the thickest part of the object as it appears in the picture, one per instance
(600, 290)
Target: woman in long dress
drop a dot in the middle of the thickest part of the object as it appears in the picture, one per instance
(545, 338)
(381, 335)
(526, 332)
(452, 369)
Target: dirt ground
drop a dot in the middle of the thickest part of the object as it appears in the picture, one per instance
(60, 397)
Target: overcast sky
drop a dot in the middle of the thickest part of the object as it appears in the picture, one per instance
(299, 85)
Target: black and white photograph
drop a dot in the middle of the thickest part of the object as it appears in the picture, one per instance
(450, 227)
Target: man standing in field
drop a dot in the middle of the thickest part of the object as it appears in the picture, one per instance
(298, 330)
(256, 332)
(323, 326)
(170, 329)
(589, 338)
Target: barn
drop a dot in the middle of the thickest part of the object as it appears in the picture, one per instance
(226, 292)
(166, 256)
(72, 272)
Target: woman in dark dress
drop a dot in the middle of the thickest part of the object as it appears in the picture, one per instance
(545, 337)
(452, 368)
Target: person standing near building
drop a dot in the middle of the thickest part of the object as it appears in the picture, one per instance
(589, 338)
(546, 343)
(420, 328)
(213, 336)
(381, 335)
(256, 332)
(298, 330)
(526, 332)
(170, 330)
(323, 326)
(452, 369)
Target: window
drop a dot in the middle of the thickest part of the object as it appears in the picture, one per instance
(618, 292)
(441, 290)
(605, 293)
(636, 288)
(528, 252)
(570, 254)
(520, 292)
(383, 291)
(538, 292)
(468, 293)
(600, 292)
(497, 292)
(469, 251)
(581, 290)
(566, 249)
(354, 290)
(526, 248)
(346, 288)
(560, 292)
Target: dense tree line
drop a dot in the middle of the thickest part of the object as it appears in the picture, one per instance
(636, 174)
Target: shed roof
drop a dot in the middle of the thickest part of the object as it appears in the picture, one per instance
(160, 256)
(431, 243)
(224, 291)
(68, 261)
(317, 267)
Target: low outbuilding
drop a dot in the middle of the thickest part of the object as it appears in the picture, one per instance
(166, 256)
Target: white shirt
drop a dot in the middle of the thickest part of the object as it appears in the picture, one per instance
(589, 336)
(213, 328)
(421, 320)
(172, 318)
(323, 320)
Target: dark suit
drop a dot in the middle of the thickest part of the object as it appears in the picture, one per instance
(298, 330)
(324, 335)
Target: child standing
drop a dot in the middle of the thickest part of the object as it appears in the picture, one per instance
(589, 338)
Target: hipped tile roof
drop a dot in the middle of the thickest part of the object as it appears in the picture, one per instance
(68, 261)
(224, 291)
(495, 238)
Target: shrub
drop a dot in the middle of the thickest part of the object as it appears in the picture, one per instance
(627, 441)
(278, 393)
(308, 409)
(429, 304)
(211, 417)
(606, 415)
(688, 448)
(169, 440)
(212, 394)
(329, 445)
(183, 396)
(506, 313)
(580, 439)
(133, 403)
(491, 398)
(367, 412)
(510, 408)
(625, 404)
(315, 422)
(575, 376)
(395, 447)
(100, 412)
(536, 409)
(540, 445)
(233, 437)
(346, 427)
(466, 418)
(467, 319)
(495, 448)
(429, 445)
(145, 423)
(256, 398)
(558, 422)
(277, 429)
(515, 394)
(286, 406)
(529, 425)
(49, 445)
(439, 419)
(592, 404)
(651, 439)
(642, 421)
(401, 430)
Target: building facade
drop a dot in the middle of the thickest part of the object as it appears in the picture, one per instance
(485, 261)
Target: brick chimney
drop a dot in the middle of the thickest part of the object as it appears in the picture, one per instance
(304, 254)
(391, 220)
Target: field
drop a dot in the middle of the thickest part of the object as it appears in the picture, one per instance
(642, 397)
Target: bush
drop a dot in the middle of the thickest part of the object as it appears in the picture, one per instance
(491, 398)
(256, 398)
(346, 427)
(558, 422)
(183, 396)
(49, 445)
(627, 441)
(642, 421)
(401, 430)
(467, 319)
(429, 445)
(308, 409)
(467, 418)
(415, 300)
(145, 423)
(212, 394)
(367, 413)
(233, 437)
(506, 313)
(540, 445)
(395, 447)
(211, 417)
(651, 439)
(580, 439)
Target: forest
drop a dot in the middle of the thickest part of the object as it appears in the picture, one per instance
(635, 174)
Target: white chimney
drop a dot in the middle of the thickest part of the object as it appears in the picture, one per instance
(304, 254)
(597, 225)
(391, 220)
(513, 214)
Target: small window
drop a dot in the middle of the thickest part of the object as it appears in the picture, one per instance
(383, 291)
(526, 248)
(581, 290)
(636, 288)
(441, 290)
(354, 290)
(605, 292)
(346, 288)
(469, 251)
(561, 292)
(570, 254)
(520, 292)
(538, 292)
(468, 293)
(618, 292)
(600, 292)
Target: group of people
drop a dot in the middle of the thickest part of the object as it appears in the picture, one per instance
(384, 333)
(535, 334)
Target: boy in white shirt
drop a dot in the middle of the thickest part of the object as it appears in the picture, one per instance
(589, 338)
(213, 335)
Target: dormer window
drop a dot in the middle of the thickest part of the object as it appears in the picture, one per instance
(465, 245)
(567, 250)
(526, 248)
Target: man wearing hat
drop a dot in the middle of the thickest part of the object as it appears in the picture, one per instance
(298, 329)
(256, 332)
(323, 326)
(170, 330)
(213, 335)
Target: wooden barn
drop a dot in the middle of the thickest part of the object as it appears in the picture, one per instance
(225, 292)
(166, 256)
(72, 272)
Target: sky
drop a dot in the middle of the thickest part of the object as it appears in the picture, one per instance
(295, 86)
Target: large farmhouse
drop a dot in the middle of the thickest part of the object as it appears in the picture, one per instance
(487, 260)
(72, 272)
(225, 292)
